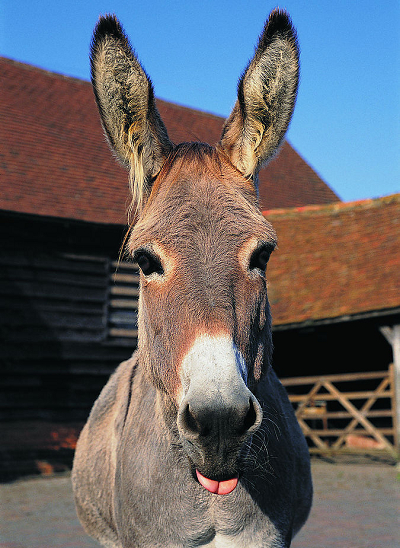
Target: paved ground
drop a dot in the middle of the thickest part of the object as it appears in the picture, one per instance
(355, 506)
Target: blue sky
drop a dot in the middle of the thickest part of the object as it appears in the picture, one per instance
(347, 118)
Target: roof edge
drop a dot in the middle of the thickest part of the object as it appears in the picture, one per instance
(61, 220)
(334, 207)
(165, 102)
(37, 68)
(338, 319)
(312, 168)
(194, 110)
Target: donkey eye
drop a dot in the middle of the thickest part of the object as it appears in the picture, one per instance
(148, 263)
(259, 258)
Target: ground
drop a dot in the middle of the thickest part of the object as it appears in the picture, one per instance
(355, 506)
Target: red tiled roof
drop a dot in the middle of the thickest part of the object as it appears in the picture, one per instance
(335, 260)
(54, 160)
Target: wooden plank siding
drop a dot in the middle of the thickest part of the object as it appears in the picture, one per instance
(53, 324)
(55, 350)
(123, 302)
(53, 296)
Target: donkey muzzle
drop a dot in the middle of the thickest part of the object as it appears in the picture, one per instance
(218, 413)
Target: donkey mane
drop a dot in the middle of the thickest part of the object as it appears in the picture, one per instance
(192, 152)
(205, 159)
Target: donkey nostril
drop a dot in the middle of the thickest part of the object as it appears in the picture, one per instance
(206, 422)
(251, 418)
(195, 424)
(188, 422)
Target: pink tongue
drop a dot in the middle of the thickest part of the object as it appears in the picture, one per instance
(217, 487)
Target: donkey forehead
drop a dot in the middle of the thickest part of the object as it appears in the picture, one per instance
(198, 206)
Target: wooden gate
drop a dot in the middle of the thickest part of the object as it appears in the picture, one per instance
(348, 412)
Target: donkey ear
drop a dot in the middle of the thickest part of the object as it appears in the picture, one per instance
(125, 98)
(266, 97)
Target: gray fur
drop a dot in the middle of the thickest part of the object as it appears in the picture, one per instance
(134, 488)
(199, 395)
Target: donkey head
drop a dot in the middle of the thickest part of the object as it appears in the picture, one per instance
(201, 243)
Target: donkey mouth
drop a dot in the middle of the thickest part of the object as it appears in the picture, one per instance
(217, 487)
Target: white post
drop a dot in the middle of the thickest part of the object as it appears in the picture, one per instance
(392, 335)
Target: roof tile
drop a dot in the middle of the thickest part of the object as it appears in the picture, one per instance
(54, 160)
(335, 260)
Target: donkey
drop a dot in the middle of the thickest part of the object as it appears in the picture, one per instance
(193, 441)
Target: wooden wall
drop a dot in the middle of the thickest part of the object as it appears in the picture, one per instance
(55, 350)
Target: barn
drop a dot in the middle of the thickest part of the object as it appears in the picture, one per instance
(69, 298)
